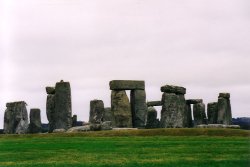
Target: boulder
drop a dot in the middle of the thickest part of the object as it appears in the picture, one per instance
(173, 89)
(199, 114)
(107, 125)
(126, 85)
(154, 103)
(95, 127)
(121, 108)
(224, 110)
(194, 101)
(16, 118)
(79, 129)
(96, 111)
(212, 113)
(59, 130)
(152, 121)
(35, 125)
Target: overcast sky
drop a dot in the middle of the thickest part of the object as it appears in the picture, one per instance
(203, 45)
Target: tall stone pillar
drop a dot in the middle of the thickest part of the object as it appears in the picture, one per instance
(50, 107)
(212, 113)
(139, 108)
(224, 109)
(188, 122)
(96, 111)
(120, 108)
(108, 116)
(199, 114)
(35, 125)
(74, 121)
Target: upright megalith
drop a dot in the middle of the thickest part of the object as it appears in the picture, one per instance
(74, 121)
(108, 116)
(173, 111)
(199, 114)
(121, 109)
(224, 109)
(188, 118)
(152, 121)
(59, 111)
(35, 125)
(138, 108)
(96, 111)
(212, 113)
(16, 118)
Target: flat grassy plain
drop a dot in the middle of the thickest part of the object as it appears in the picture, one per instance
(133, 148)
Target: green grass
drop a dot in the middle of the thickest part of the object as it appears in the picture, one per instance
(150, 148)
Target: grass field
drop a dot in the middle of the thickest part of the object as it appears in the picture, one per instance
(159, 147)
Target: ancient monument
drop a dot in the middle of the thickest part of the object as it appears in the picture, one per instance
(16, 118)
(58, 106)
(152, 121)
(212, 113)
(128, 114)
(35, 125)
(96, 111)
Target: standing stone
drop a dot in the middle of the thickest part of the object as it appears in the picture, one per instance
(96, 111)
(16, 118)
(74, 121)
(50, 111)
(199, 114)
(121, 109)
(139, 108)
(152, 121)
(173, 111)
(35, 125)
(108, 116)
(224, 109)
(188, 122)
(212, 113)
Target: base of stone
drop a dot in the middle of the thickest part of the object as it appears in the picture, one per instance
(125, 128)
(218, 126)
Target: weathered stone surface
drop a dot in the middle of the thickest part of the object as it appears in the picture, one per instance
(59, 130)
(96, 111)
(50, 90)
(218, 126)
(199, 114)
(50, 111)
(35, 125)
(126, 85)
(173, 89)
(63, 111)
(139, 108)
(212, 113)
(194, 101)
(107, 125)
(16, 118)
(121, 108)
(224, 95)
(224, 111)
(188, 122)
(152, 121)
(154, 103)
(173, 111)
(79, 129)
(95, 127)
(108, 116)
(74, 121)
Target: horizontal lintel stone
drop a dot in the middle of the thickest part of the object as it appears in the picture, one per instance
(127, 85)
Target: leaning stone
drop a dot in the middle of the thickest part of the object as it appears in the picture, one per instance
(79, 129)
(173, 89)
(152, 121)
(96, 111)
(50, 90)
(224, 95)
(224, 111)
(212, 112)
(121, 108)
(107, 125)
(139, 108)
(35, 125)
(95, 127)
(59, 130)
(194, 101)
(126, 85)
(199, 114)
(154, 103)
(16, 118)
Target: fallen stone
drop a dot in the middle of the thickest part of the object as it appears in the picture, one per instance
(59, 130)
(194, 101)
(107, 125)
(121, 108)
(95, 127)
(50, 90)
(154, 103)
(126, 85)
(152, 121)
(35, 125)
(199, 114)
(173, 89)
(79, 129)
(212, 113)
(96, 111)
(224, 95)
(218, 126)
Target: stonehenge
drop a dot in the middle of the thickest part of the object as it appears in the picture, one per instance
(152, 121)
(224, 109)
(96, 111)
(199, 113)
(35, 125)
(154, 103)
(212, 112)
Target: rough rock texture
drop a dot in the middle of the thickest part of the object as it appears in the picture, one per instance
(224, 95)
(108, 116)
(59, 130)
(194, 101)
(121, 108)
(173, 89)
(224, 109)
(154, 103)
(35, 125)
(199, 114)
(95, 127)
(126, 85)
(152, 121)
(188, 122)
(212, 113)
(50, 90)
(74, 121)
(107, 125)
(79, 129)
(96, 111)
(16, 118)
(218, 126)
(139, 108)
(50, 111)
(173, 110)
